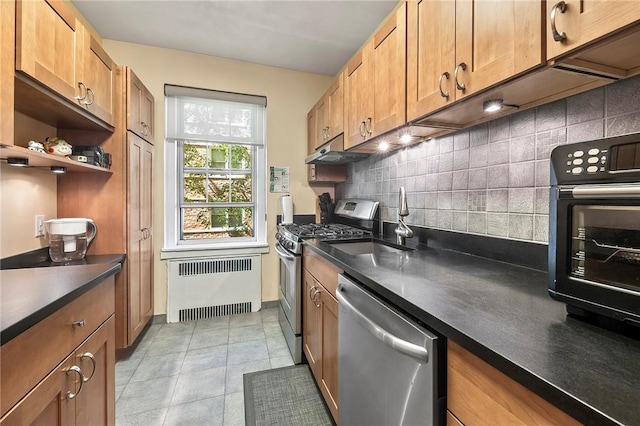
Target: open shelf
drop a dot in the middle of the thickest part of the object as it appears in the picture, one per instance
(38, 159)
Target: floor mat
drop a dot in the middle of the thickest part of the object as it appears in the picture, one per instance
(284, 396)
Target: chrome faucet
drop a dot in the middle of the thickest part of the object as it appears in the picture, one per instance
(402, 230)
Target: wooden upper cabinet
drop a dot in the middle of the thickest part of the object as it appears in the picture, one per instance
(326, 118)
(140, 107)
(580, 22)
(311, 131)
(375, 90)
(335, 101)
(98, 73)
(457, 51)
(53, 48)
(49, 45)
(496, 40)
(431, 56)
(7, 67)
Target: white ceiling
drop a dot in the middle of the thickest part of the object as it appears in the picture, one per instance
(304, 35)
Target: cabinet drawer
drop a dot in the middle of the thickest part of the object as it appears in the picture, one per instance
(322, 270)
(478, 394)
(29, 357)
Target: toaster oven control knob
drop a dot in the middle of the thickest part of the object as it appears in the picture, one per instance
(577, 161)
(594, 151)
(578, 153)
(576, 170)
(592, 169)
(593, 160)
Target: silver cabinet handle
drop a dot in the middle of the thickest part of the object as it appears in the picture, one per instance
(327, 134)
(83, 90)
(315, 299)
(459, 86)
(78, 371)
(311, 290)
(362, 129)
(609, 191)
(78, 323)
(562, 7)
(93, 98)
(93, 361)
(414, 351)
(144, 128)
(368, 126)
(443, 93)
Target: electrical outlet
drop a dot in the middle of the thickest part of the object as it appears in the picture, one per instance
(39, 225)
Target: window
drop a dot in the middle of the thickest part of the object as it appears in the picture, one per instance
(214, 168)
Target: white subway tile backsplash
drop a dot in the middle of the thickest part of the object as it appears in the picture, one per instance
(493, 178)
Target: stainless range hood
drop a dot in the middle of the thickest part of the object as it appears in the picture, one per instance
(333, 153)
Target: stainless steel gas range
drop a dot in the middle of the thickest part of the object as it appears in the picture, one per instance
(353, 221)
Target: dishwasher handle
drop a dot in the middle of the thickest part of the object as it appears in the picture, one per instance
(407, 348)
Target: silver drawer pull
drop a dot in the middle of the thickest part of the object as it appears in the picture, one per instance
(93, 361)
(78, 371)
(79, 323)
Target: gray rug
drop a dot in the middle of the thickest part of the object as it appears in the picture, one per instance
(284, 396)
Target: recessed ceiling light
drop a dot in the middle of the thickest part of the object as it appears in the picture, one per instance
(406, 138)
(383, 146)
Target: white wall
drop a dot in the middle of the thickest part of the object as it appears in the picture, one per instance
(25, 193)
(290, 95)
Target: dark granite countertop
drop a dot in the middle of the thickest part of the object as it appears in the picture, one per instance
(27, 296)
(503, 314)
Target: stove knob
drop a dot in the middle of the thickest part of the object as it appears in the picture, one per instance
(290, 245)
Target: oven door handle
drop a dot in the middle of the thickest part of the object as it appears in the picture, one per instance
(284, 254)
(609, 191)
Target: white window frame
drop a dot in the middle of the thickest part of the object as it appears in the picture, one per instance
(172, 183)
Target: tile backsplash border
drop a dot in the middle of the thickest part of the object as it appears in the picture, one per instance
(493, 179)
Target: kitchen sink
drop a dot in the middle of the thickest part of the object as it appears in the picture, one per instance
(368, 247)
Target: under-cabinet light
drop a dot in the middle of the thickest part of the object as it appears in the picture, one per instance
(18, 162)
(494, 105)
(58, 169)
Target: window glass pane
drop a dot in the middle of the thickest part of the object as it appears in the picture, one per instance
(218, 188)
(195, 187)
(195, 154)
(241, 188)
(240, 157)
(218, 156)
(195, 223)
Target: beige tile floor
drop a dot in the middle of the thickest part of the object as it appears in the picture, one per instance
(190, 373)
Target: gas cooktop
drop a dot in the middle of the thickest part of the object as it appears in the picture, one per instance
(331, 231)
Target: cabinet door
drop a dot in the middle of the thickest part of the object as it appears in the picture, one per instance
(311, 131)
(496, 40)
(311, 322)
(49, 45)
(48, 404)
(584, 21)
(95, 404)
(357, 99)
(147, 114)
(321, 122)
(335, 101)
(329, 382)
(430, 56)
(134, 255)
(146, 248)
(7, 56)
(388, 76)
(139, 107)
(98, 74)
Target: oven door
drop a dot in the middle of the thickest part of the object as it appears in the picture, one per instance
(597, 244)
(290, 278)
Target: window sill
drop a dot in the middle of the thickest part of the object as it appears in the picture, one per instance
(219, 250)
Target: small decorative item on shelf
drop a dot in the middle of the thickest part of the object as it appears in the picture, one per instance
(79, 158)
(36, 146)
(57, 146)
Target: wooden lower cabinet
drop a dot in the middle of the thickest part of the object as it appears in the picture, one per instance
(61, 399)
(320, 325)
(479, 394)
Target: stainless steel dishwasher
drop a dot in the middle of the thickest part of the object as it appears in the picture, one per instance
(388, 364)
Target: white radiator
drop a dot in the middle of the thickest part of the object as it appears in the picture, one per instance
(205, 288)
